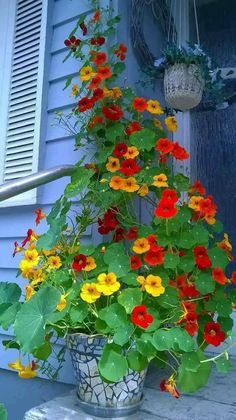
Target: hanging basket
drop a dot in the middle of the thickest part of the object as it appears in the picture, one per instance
(183, 86)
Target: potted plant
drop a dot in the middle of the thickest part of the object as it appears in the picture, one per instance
(188, 71)
(153, 292)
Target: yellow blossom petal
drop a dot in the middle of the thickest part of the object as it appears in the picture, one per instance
(171, 123)
(62, 304)
(108, 284)
(141, 246)
(143, 190)
(113, 164)
(86, 73)
(154, 107)
(90, 264)
(153, 285)
(17, 365)
(89, 292)
(27, 373)
(160, 181)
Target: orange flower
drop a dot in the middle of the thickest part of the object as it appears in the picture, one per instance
(141, 246)
(116, 183)
(104, 72)
(95, 83)
(160, 181)
(143, 190)
(95, 120)
(39, 216)
(130, 185)
(113, 164)
(131, 153)
(194, 202)
(139, 104)
(90, 264)
(99, 58)
(164, 146)
(96, 17)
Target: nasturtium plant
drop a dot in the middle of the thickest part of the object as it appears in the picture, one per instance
(159, 291)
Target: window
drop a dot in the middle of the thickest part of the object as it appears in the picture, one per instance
(21, 83)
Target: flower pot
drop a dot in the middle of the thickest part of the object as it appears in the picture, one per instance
(97, 397)
(183, 86)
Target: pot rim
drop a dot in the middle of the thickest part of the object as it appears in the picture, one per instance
(87, 335)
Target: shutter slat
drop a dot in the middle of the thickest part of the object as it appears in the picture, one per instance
(18, 87)
(21, 123)
(19, 162)
(25, 51)
(28, 143)
(29, 20)
(26, 57)
(23, 113)
(23, 93)
(26, 42)
(22, 168)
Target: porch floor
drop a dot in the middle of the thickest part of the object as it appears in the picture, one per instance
(217, 401)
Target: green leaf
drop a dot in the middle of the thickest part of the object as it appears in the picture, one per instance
(78, 313)
(116, 130)
(218, 258)
(223, 364)
(162, 340)
(169, 299)
(3, 412)
(190, 361)
(224, 308)
(200, 235)
(186, 240)
(10, 344)
(79, 181)
(130, 279)
(32, 318)
(68, 82)
(226, 323)
(144, 345)
(129, 298)
(117, 260)
(144, 139)
(137, 361)
(184, 215)
(205, 283)
(87, 249)
(190, 382)
(182, 182)
(49, 239)
(186, 263)
(171, 260)
(118, 68)
(9, 292)
(114, 315)
(182, 339)
(43, 352)
(102, 154)
(113, 365)
(217, 227)
(8, 314)
(101, 326)
(123, 334)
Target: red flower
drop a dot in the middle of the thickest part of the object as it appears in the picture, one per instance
(119, 235)
(120, 150)
(28, 237)
(39, 216)
(109, 222)
(104, 72)
(219, 275)
(100, 40)
(135, 262)
(202, 260)
(169, 386)
(189, 291)
(72, 43)
(79, 262)
(164, 146)
(234, 277)
(84, 104)
(191, 325)
(84, 28)
(154, 257)
(170, 195)
(121, 52)
(179, 152)
(112, 112)
(163, 159)
(99, 58)
(139, 104)
(17, 248)
(95, 82)
(213, 334)
(96, 17)
(207, 207)
(165, 209)
(95, 120)
(198, 188)
(97, 95)
(132, 128)
(140, 317)
(129, 167)
(132, 233)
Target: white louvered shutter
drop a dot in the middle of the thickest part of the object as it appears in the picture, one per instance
(20, 157)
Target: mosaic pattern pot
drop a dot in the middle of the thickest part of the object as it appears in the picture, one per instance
(95, 396)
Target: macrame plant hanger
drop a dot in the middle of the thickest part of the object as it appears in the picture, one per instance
(182, 85)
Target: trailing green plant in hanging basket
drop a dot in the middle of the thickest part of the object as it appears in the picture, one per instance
(145, 292)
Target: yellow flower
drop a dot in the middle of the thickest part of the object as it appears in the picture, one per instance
(116, 183)
(89, 292)
(62, 304)
(38, 277)
(107, 93)
(141, 280)
(143, 190)
(131, 153)
(26, 268)
(29, 292)
(74, 90)
(226, 242)
(32, 256)
(171, 123)
(86, 73)
(54, 262)
(160, 181)
(113, 164)
(154, 107)
(117, 92)
(194, 202)
(17, 365)
(108, 284)
(157, 123)
(90, 264)
(210, 220)
(130, 185)
(153, 285)
(27, 373)
(141, 246)
(49, 252)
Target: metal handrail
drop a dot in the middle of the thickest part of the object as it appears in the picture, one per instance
(12, 188)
